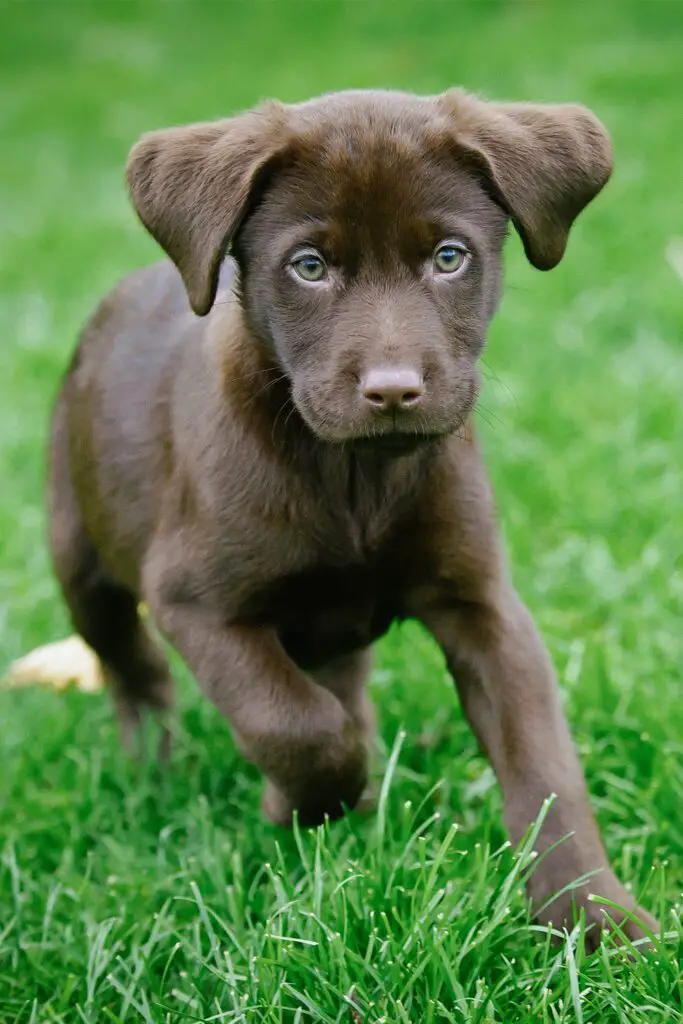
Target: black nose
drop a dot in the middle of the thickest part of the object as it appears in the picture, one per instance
(390, 388)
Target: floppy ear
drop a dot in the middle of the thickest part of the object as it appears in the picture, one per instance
(542, 163)
(191, 188)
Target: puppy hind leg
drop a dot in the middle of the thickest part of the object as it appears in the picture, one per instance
(103, 612)
(106, 616)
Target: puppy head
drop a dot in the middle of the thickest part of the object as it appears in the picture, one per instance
(368, 228)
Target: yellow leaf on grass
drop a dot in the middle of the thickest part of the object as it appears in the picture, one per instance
(59, 665)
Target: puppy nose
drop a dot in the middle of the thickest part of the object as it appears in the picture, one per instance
(388, 388)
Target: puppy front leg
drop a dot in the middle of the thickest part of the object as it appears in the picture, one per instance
(508, 691)
(295, 731)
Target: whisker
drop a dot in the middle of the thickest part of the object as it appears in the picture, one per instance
(248, 376)
(268, 384)
(283, 406)
(492, 375)
(490, 418)
(289, 415)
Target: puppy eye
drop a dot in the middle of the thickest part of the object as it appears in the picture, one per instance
(450, 257)
(309, 266)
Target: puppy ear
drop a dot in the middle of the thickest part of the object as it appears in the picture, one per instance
(191, 188)
(543, 164)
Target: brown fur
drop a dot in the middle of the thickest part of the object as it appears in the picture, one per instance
(277, 503)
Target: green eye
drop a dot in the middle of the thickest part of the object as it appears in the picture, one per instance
(450, 257)
(309, 267)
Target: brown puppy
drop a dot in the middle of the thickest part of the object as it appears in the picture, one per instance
(283, 479)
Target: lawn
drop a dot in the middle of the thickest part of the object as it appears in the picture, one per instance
(130, 896)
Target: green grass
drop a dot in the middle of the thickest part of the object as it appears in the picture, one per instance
(129, 897)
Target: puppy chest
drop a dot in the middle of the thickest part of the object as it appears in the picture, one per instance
(324, 613)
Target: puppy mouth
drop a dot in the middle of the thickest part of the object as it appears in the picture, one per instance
(393, 444)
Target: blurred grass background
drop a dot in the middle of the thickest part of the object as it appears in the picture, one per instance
(581, 420)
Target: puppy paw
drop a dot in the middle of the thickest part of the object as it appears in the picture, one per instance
(317, 766)
(626, 921)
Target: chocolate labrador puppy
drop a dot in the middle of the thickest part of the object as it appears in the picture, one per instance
(273, 448)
